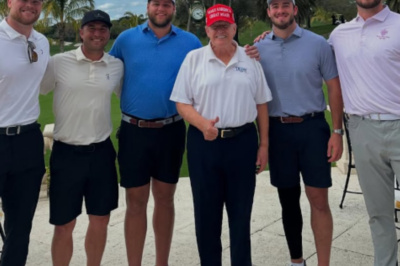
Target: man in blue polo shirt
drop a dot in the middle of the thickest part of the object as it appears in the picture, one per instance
(152, 134)
(295, 62)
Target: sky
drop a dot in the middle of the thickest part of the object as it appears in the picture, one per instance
(117, 8)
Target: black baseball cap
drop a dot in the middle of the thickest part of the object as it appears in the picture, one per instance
(96, 15)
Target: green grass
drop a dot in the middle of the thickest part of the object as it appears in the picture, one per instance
(46, 102)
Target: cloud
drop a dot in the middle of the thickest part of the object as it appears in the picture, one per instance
(105, 6)
(138, 3)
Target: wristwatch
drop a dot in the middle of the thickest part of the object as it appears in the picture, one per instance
(338, 131)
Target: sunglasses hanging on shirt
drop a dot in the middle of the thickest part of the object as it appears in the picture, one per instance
(33, 56)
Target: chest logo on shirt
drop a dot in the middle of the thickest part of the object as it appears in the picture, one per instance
(383, 35)
(108, 76)
(241, 69)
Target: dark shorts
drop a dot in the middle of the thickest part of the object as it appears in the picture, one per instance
(146, 153)
(78, 172)
(299, 148)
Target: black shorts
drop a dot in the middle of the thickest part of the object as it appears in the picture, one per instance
(299, 148)
(150, 152)
(78, 172)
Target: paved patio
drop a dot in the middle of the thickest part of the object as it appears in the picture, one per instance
(351, 244)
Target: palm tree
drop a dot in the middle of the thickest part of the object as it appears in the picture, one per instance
(394, 5)
(3, 9)
(132, 20)
(65, 11)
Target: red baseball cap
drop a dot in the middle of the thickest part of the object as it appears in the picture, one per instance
(219, 13)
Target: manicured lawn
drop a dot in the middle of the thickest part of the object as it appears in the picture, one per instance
(46, 102)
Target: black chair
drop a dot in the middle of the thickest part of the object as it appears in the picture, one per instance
(351, 165)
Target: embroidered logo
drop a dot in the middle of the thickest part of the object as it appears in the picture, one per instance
(383, 35)
(98, 15)
(241, 69)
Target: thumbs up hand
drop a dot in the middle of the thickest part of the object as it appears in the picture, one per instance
(210, 132)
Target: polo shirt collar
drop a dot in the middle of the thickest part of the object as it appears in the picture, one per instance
(80, 56)
(381, 16)
(13, 34)
(211, 55)
(145, 27)
(298, 32)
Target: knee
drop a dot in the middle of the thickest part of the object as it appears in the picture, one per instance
(320, 205)
(136, 206)
(165, 200)
(99, 222)
(64, 230)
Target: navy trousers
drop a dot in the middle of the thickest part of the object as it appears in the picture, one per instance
(222, 172)
(21, 172)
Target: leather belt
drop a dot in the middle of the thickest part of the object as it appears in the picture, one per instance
(380, 117)
(151, 124)
(296, 119)
(16, 130)
(224, 133)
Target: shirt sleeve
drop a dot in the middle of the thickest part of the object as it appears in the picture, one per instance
(182, 91)
(263, 93)
(328, 66)
(118, 87)
(49, 80)
(116, 49)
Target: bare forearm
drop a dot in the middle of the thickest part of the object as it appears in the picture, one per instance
(191, 115)
(263, 124)
(335, 102)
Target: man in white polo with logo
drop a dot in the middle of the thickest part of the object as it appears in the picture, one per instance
(82, 163)
(220, 91)
(24, 54)
(367, 52)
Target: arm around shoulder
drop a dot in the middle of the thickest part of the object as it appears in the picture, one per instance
(49, 79)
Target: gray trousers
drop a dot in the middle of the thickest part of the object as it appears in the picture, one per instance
(376, 147)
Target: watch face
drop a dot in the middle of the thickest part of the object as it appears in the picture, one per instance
(198, 13)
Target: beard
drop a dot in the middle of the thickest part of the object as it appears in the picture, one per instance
(23, 20)
(160, 24)
(283, 26)
(369, 5)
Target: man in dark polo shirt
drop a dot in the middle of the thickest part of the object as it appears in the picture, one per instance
(295, 62)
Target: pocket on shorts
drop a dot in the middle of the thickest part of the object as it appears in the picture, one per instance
(353, 122)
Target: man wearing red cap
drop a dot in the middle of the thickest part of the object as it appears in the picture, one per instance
(153, 135)
(220, 91)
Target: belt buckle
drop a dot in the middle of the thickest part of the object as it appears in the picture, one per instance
(283, 122)
(13, 134)
(140, 123)
(225, 131)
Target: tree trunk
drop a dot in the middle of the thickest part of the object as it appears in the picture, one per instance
(61, 33)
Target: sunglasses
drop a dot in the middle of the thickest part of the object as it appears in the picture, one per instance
(33, 56)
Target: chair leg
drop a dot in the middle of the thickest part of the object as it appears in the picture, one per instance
(346, 185)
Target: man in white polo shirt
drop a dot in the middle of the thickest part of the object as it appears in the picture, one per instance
(83, 159)
(220, 91)
(24, 54)
(368, 57)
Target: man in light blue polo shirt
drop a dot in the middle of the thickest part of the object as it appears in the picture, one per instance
(296, 62)
(152, 134)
